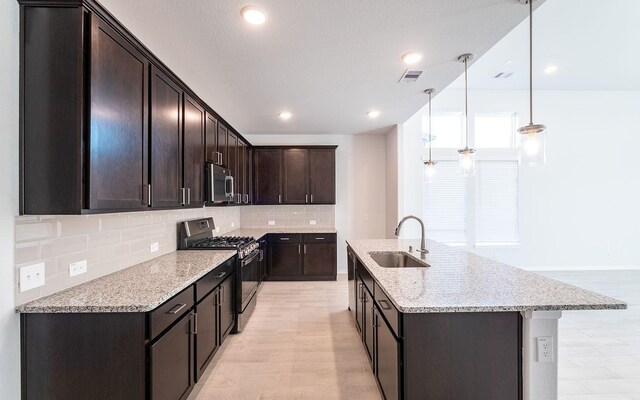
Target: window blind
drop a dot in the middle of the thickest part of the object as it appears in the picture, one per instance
(497, 202)
(445, 205)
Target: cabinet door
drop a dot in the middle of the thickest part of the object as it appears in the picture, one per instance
(193, 153)
(367, 326)
(222, 145)
(285, 260)
(227, 306)
(319, 259)
(358, 299)
(243, 155)
(211, 139)
(295, 180)
(322, 176)
(171, 362)
(166, 141)
(207, 341)
(268, 176)
(118, 132)
(387, 359)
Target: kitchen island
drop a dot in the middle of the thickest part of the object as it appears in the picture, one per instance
(465, 327)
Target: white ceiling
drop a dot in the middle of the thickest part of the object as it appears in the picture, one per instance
(594, 44)
(326, 61)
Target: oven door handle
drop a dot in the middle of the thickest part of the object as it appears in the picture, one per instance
(249, 260)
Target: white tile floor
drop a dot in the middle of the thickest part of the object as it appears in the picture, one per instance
(301, 344)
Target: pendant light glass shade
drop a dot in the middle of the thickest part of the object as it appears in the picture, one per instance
(466, 162)
(466, 156)
(533, 139)
(429, 164)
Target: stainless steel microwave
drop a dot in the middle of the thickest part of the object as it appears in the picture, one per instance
(219, 184)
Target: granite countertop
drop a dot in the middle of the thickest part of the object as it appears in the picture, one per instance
(458, 281)
(257, 233)
(139, 288)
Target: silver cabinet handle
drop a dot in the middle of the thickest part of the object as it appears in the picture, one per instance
(246, 201)
(219, 158)
(184, 196)
(149, 194)
(176, 309)
(306, 198)
(284, 238)
(213, 185)
(188, 195)
(280, 198)
(298, 249)
(220, 275)
(194, 330)
(385, 305)
(305, 249)
(312, 197)
(319, 238)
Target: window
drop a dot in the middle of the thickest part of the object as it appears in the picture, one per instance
(478, 211)
(497, 202)
(445, 209)
(448, 129)
(495, 131)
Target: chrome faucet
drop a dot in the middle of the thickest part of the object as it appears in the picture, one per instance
(423, 248)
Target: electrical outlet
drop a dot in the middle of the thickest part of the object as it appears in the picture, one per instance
(271, 222)
(77, 268)
(31, 276)
(366, 217)
(153, 247)
(545, 349)
(312, 222)
(217, 229)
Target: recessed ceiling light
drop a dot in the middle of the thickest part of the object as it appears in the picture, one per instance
(285, 115)
(254, 15)
(411, 57)
(373, 114)
(551, 69)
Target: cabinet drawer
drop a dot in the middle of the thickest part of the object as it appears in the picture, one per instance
(169, 312)
(285, 238)
(387, 309)
(208, 282)
(319, 238)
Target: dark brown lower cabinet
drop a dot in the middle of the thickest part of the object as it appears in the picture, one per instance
(387, 362)
(207, 341)
(437, 356)
(302, 257)
(154, 355)
(171, 361)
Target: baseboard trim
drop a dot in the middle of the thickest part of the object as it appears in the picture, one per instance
(584, 268)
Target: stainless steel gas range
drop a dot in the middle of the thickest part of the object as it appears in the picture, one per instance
(198, 234)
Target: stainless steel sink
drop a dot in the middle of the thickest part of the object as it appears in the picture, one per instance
(397, 259)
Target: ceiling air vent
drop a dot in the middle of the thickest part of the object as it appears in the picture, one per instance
(503, 75)
(410, 75)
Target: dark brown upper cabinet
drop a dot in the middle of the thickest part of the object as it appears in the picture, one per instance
(295, 182)
(267, 174)
(212, 154)
(166, 141)
(244, 173)
(103, 122)
(194, 149)
(294, 175)
(322, 176)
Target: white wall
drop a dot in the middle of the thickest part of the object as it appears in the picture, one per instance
(391, 189)
(581, 208)
(9, 327)
(360, 182)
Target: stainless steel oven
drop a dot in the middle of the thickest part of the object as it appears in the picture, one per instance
(219, 184)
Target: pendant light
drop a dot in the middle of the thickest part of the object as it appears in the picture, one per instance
(532, 144)
(466, 156)
(430, 165)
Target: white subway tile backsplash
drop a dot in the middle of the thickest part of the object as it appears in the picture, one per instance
(110, 242)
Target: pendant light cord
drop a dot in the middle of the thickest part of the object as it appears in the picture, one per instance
(466, 103)
(530, 62)
(430, 134)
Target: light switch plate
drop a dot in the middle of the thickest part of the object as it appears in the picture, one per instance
(31, 276)
(153, 247)
(312, 222)
(271, 222)
(77, 268)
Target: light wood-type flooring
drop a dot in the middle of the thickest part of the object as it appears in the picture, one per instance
(301, 344)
